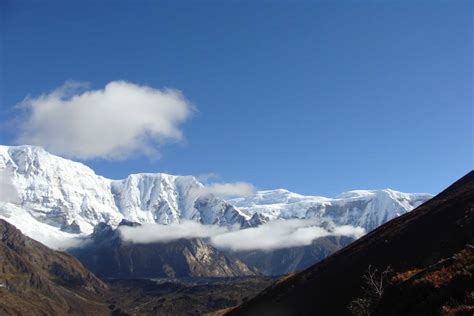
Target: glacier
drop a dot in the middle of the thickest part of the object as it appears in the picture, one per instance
(67, 198)
(361, 208)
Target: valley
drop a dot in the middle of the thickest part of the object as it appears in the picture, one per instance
(195, 296)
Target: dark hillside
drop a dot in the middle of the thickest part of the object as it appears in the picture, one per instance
(36, 280)
(436, 230)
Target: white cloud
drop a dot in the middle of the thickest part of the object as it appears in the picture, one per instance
(270, 236)
(226, 190)
(149, 233)
(121, 120)
(280, 234)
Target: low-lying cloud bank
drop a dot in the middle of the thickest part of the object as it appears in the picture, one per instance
(270, 236)
(280, 234)
(149, 233)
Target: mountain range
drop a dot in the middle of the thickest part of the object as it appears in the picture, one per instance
(55, 199)
(65, 205)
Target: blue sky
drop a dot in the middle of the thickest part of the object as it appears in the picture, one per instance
(318, 97)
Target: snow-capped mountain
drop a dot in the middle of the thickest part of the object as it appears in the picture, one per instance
(69, 197)
(365, 208)
(165, 199)
(58, 191)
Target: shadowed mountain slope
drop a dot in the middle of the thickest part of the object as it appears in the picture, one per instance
(436, 230)
(109, 256)
(294, 259)
(445, 287)
(35, 280)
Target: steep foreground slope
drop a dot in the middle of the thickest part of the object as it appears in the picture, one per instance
(414, 246)
(420, 291)
(35, 280)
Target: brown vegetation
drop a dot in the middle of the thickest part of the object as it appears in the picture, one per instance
(446, 287)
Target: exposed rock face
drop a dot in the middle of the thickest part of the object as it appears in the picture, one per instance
(418, 240)
(72, 228)
(110, 257)
(35, 280)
